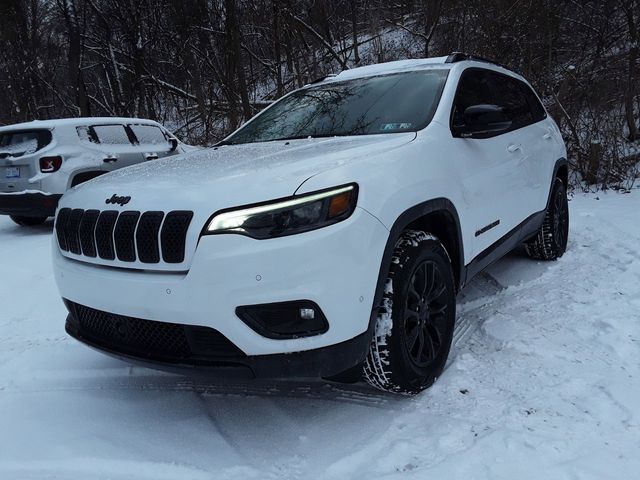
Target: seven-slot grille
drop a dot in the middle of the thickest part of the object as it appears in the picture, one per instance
(127, 236)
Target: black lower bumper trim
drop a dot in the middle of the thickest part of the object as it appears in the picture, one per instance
(28, 204)
(318, 363)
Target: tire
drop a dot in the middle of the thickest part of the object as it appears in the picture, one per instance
(550, 242)
(416, 317)
(29, 221)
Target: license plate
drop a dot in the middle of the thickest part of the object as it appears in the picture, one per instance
(12, 172)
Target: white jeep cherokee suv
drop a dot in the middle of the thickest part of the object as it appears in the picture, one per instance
(328, 235)
(41, 160)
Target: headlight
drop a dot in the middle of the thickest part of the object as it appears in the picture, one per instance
(288, 216)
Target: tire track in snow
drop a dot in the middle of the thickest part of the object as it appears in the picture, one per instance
(357, 394)
(472, 299)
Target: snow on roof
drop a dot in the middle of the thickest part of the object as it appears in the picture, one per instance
(391, 67)
(411, 65)
(49, 124)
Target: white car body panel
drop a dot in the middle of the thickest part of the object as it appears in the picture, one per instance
(329, 263)
(239, 175)
(337, 266)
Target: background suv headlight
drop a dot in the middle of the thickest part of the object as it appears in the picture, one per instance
(287, 216)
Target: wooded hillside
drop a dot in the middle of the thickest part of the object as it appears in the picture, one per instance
(204, 66)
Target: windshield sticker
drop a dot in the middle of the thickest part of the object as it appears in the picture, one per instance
(395, 126)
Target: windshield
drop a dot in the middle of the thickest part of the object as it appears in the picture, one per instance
(26, 142)
(401, 102)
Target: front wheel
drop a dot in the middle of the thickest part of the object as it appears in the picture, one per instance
(29, 221)
(550, 242)
(416, 317)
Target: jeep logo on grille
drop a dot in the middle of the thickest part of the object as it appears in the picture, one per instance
(116, 200)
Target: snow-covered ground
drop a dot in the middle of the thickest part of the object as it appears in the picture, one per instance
(544, 383)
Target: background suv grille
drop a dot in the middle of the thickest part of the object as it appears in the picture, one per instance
(127, 236)
(162, 341)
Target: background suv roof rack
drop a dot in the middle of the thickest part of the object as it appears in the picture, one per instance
(461, 56)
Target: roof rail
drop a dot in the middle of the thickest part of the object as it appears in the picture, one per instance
(461, 56)
(323, 78)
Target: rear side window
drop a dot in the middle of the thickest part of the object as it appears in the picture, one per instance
(538, 111)
(105, 134)
(87, 134)
(149, 135)
(23, 142)
(486, 87)
(112, 134)
(510, 96)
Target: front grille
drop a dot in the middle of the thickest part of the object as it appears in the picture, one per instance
(73, 228)
(126, 236)
(147, 237)
(161, 341)
(104, 234)
(86, 232)
(172, 236)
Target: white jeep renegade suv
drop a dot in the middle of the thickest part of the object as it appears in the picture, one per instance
(329, 234)
(40, 160)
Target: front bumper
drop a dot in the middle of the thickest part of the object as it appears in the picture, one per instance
(29, 204)
(188, 350)
(336, 267)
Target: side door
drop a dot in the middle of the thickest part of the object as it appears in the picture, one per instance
(115, 142)
(490, 168)
(152, 141)
(542, 145)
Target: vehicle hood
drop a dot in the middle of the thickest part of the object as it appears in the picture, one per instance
(207, 181)
(230, 175)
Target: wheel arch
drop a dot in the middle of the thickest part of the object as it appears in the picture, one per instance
(84, 176)
(561, 171)
(438, 217)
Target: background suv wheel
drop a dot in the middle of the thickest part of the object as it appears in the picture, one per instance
(416, 318)
(29, 221)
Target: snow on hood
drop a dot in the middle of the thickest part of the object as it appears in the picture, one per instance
(229, 175)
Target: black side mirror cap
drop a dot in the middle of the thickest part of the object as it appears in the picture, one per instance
(482, 121)
(174, 144)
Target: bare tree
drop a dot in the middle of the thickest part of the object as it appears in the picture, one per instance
(205, 66)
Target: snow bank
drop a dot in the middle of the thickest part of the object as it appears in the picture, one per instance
(544, 382)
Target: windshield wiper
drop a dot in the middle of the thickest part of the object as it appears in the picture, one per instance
(301, 137)
(283, 139)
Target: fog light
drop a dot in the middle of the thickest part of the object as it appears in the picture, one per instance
(307, 313)
(294, 319)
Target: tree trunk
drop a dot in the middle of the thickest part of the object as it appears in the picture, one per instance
(234, 40)
(276, 47)
(632, 78)
(74, 56)
(354, 30)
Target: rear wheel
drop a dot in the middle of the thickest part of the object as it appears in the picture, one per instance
(415, 319)
(550, 242)
(28, 221)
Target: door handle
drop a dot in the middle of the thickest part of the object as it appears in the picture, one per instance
(151, 156)
(110, 159)
(513, 148)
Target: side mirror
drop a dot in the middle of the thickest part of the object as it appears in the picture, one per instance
(482, 121)
(174, 144)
